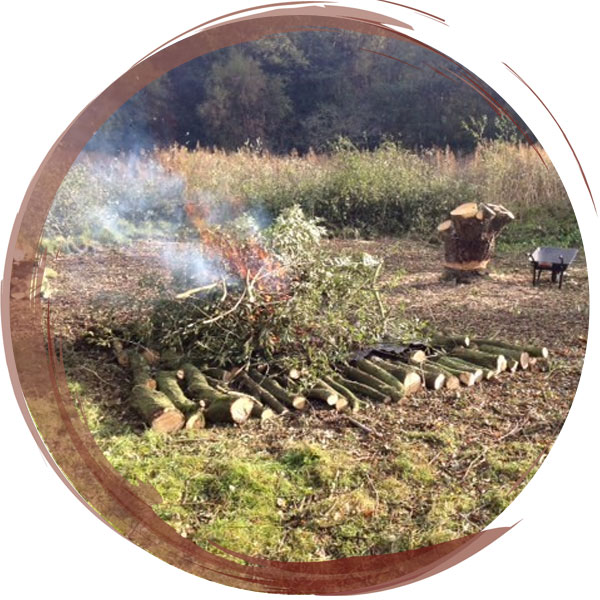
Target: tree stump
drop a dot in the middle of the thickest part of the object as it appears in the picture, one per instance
(469, 237)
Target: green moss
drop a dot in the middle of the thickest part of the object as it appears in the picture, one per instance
(441, 437)
(410, 464)
(511, 462)
(306, 501)
(311, 466)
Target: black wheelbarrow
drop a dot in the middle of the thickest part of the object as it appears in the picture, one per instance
(551, 259)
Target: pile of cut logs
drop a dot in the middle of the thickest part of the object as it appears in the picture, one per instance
(185, 396)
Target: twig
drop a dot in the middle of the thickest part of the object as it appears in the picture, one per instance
(477, 460)
(227, 312)
(516, 428)
(114, 385)
(363, 427)
(203, 288)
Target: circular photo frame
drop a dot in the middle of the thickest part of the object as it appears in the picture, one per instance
(299, 303)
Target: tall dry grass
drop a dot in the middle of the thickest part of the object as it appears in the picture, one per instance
(388, 191)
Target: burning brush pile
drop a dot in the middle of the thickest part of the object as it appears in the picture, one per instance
(286, 324)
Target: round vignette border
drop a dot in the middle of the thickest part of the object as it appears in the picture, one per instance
(39, 379)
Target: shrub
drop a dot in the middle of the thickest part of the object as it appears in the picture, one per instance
(387, 191)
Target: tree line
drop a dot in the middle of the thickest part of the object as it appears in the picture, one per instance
(303, 90)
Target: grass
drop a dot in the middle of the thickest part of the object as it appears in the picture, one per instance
(302, 500)
(388, 191)
(315, 488)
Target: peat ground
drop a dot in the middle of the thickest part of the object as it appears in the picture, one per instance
(312, 486)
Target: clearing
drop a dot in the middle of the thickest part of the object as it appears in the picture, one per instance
(312, 486)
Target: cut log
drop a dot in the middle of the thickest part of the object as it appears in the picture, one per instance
(445, 226)
(465, 364)
(533, 351)
(361, 377)
(293, 401)
(520, 356)
(470, 241)
(465, 377)
(465, 211)
(156, 409)
(263, 413)
(491, 361)
(405, 374)
(451, 382)
(363, 389)
(267, 414)
(417, 357)
(261, 393)
(229, 409)
(512, 365)
(196, 421)
(142, 375)
(450, 341)
(294, 374)
(453, 362)
(343, 392)
(342, 403)
(376, 371)
(198, 387)
(324, 395)
(168, 385)
(434, 381)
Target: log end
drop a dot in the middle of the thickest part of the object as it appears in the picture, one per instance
(452, 382)
(196, 421)
(299, 403)
(445, 226)
(412, 383)
(342, 405)
(169, 421)
(467, 378)
(468, 210)
(240, 410)
(418, 357)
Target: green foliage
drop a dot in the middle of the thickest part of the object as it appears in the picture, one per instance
(301, 90)
(356, 193)
(319, 306)
(242, 102)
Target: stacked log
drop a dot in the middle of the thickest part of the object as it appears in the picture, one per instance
(469, 237)
(344, 392)
(393, 392)
(184, 395)
(291, 401)
(156, 409)
(168, 384)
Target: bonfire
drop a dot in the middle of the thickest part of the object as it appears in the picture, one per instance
(286, 325)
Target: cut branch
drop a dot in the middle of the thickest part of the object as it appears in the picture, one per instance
(156, 409)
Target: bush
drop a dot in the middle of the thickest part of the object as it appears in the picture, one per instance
(387, 191)
(309, 308)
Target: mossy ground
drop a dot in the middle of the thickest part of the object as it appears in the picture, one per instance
(314, 487)
(331, 495)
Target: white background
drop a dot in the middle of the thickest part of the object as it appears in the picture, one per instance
(57, 56)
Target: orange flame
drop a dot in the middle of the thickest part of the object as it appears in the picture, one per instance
(246, 259)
